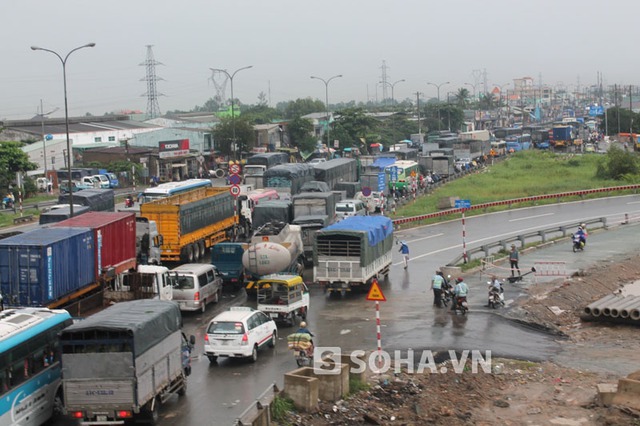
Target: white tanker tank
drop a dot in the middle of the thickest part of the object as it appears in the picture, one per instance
(275, 247)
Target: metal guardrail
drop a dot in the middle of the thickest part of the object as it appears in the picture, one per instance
(540, 235)
(261, 407)
(509, 203)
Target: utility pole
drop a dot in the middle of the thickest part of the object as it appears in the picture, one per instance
(418, 105)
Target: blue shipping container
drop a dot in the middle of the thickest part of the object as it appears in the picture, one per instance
(42, 266)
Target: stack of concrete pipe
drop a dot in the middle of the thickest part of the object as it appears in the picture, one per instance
(615, 306)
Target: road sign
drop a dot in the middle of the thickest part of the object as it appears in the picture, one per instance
(235, 179)
(463, 204)
(234, 169)
(413, 173)
(393, 171)
(234, 190)
(366, 191)
(381, 180)
(375, 294)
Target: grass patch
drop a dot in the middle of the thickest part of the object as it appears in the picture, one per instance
(356, 386)
(470, 265)
(523, 174)
(280, 407)
(6, 218)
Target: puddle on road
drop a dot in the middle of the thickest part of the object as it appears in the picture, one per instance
(632, 289)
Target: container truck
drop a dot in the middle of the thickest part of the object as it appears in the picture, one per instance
(227, 257)
(259, 163)
(122, 363)
(275, 247)
(349, 254)
(61, 213)
(272, 211)
(145, 282)
(562, 136)
(114, 241)
(192, 222)
(47, 267)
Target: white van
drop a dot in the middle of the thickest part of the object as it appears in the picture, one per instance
(194, 285)
(105, 183)
(346, 208)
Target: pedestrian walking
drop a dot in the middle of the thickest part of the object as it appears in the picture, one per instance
(514, 256)
(404, 249)
(437, 283)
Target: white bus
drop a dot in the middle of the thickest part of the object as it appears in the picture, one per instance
(30, 372)
(168, 189)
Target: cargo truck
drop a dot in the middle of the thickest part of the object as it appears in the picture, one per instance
(192, 222)
(349, 254)
(313, 211)
(98, 200)
(122, 363)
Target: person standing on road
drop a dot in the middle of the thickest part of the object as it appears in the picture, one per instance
(514, 256)
(437, 283)
(404, 249)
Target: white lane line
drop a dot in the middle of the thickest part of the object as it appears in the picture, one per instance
(425, 238)
(633, 202)
(531, 217)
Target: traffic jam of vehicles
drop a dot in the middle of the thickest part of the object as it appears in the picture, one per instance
(177, 251)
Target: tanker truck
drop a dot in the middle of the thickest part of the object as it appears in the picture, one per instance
(276, 247)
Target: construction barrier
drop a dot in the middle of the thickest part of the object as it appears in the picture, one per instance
(550, 269)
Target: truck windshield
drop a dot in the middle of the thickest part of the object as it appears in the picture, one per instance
(226, 327)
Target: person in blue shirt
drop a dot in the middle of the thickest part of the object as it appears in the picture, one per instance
(583, 235)
(404, 249)
(303, 329)
(460, 290)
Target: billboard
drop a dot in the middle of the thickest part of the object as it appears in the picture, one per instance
(175, 148)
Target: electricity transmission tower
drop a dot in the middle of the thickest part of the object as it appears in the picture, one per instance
(220, 81)
(153, 108)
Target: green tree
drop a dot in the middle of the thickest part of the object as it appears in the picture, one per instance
(300, 131)
(12, 160)
(352, 126)
(260, 114)
(301, 107)
(462, 98)
(487, 101)
(395, 128)
(620, 119)
(617, 165)
(223, 134)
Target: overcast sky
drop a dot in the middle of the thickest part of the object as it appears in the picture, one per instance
(287, 41)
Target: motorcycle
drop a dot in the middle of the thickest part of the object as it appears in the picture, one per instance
(496, 296)
(461, 305)
(446, 296)
(578, 243)
(7, 203)
(128, 202)
(302, 346)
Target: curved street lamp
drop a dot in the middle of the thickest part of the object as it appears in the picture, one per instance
(326, 97)
(66, 112)
(474, 89)
(393, 85)
(233, 114)
(438, 87)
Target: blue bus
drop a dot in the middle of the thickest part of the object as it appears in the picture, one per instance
(518, 143)
(30, 372)
(168, 189)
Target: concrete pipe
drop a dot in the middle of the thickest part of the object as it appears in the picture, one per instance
(219, 173)
(627, 311)
(635, 314)
(594, 308)
(629, 301)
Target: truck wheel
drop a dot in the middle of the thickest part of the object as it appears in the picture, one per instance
(152, 411)
(212, 359)
(183, 390)
(254, 353)
(203, 249)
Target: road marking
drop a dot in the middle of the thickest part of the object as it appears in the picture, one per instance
(531, 217)
(633, 202)
(426, 238)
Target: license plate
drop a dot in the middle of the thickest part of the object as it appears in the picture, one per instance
(101, 418)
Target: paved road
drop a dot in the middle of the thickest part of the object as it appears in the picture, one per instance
(219, 393)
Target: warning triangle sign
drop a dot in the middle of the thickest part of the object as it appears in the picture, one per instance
(375, 294)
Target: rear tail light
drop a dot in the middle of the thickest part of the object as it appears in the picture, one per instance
(206, 337)
(233, 280)
(245, 339)
(196, 296)
(77, 414)
(124, 414)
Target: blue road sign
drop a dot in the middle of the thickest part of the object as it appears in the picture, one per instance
(463, 204)
(235, 179)
(381, 187)
(393, 172)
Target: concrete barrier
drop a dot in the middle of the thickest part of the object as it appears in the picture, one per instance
(335, 384)
(303, 388)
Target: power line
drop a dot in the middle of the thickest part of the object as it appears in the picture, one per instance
(153, 107)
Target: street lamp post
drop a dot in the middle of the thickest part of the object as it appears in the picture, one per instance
(474, 89)
(233, 113)
(438, 87)
(393, 85)
(66, 113)
(326, 97)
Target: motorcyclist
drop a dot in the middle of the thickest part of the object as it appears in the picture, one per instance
(303, 329)
(495, 287)
(129, 201)
(460, 292)
(582, 234)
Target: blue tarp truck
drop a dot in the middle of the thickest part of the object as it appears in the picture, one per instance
(349, 254)
(227, 257)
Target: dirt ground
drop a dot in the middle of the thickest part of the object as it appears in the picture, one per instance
(562, 392)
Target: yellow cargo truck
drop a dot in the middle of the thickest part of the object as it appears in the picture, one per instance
(192, 222)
